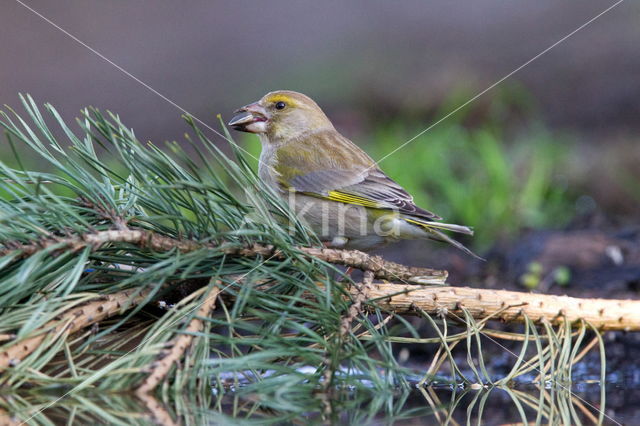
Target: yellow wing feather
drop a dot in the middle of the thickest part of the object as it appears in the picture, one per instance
(344, 197)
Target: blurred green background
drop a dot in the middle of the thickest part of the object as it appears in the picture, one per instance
(553, 144)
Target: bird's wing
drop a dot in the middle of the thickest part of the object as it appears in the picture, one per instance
(386, 193)
(335, 169)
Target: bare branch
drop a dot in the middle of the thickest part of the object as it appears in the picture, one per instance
(603, 314)
(382, 269)
(161, 367)
(360, 293)
(73, 320)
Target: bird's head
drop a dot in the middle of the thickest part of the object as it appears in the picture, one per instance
(281, 115)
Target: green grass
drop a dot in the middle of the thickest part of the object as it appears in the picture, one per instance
(477, 178)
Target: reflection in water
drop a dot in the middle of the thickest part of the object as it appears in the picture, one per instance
(425, 405)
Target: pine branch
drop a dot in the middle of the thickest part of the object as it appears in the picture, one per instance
(72, 321)
(510, 306)
(361, 292)
(201, 216)
(158, 414)
(382, 269)
(161, 367)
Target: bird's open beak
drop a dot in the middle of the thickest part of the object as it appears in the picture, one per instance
(250, 118)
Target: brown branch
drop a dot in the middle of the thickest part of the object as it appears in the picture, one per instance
(161, 367)
(361, 295)
(382, 269)
(603, 314)
(96, 240)
(72, 321)
(158, 413)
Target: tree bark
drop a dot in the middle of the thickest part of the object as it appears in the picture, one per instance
(72, 321)
(381, 268)
(178, 346)
(510, 306)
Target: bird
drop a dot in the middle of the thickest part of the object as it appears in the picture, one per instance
(336, 188)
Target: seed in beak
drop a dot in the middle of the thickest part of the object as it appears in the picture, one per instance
(243, 117)
(250, 118)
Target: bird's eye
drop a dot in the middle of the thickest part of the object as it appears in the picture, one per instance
(280, 105)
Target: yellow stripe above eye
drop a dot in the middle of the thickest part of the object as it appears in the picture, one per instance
(280, 97)
(351, 199)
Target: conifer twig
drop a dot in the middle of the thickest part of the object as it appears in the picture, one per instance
(161, 367)
(508, 306)
(159, 415)
(361, 295)
(72, 321)
(382, 269)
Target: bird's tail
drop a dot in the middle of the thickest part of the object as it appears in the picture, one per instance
(434, 233)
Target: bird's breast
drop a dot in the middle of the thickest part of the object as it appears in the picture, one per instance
(266, 169)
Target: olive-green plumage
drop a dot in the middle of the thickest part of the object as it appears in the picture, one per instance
(329, 181)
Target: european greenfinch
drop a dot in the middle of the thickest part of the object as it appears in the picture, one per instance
(331, 183)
